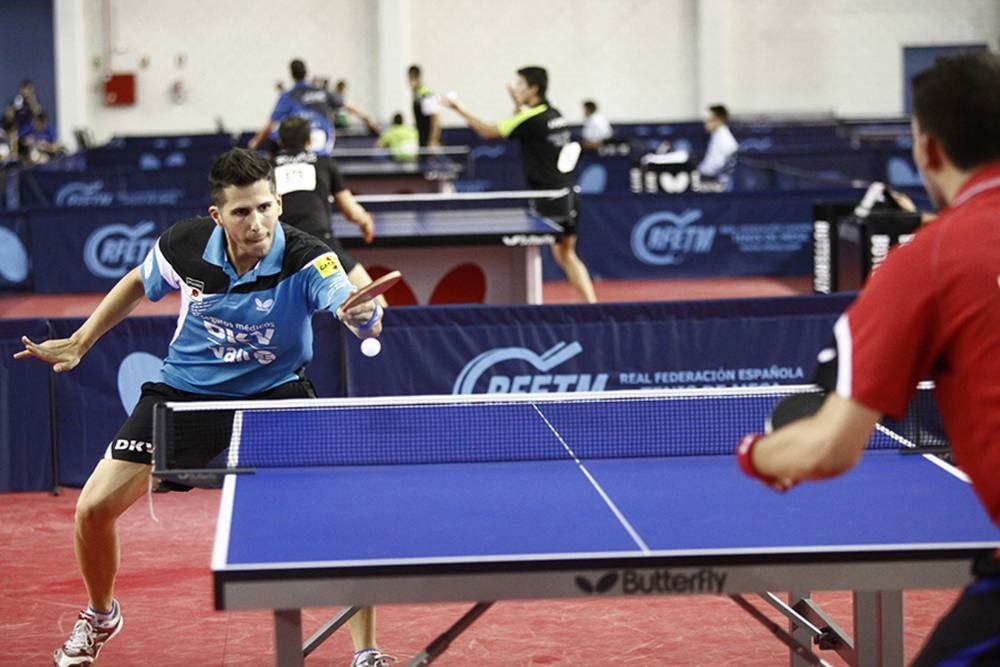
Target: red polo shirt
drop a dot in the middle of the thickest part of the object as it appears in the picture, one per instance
(933, 308)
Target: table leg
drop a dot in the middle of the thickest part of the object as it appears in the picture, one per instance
(878, 628)
(801, 634)
(288, 638)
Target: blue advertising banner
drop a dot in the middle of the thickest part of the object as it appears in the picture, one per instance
(88, 251)
(15, 262)
(697, 235)
(109, 187)
(95, 398)
(436, 350)
(25, 433)
(524, 349)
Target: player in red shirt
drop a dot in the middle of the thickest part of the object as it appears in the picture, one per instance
(932, 308)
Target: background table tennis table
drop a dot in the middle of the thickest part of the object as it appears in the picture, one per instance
(440, 520)
(502, 244)
(368, 170)
(394, 177)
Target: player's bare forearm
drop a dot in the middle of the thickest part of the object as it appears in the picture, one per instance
(363, 115)
(261, 135)
(63, 354)
(114, 307)
(356, 213)
(823, 445)
(480, 127)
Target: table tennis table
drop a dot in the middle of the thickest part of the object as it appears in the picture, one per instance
(629, 493)
(426, 244)
(374, 171)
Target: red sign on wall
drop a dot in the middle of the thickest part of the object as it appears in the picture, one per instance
(119, 90)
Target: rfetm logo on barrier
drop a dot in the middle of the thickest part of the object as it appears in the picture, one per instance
(78, 193)
(114, 249)
(542, 381)
(665, 237)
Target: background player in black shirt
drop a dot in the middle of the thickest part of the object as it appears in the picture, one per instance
(548, 157)
(306, 181)
(425, 109)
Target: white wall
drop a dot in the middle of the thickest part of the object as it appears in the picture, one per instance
(841, 56)
(635, 57)
(234, 51)
(640, 59)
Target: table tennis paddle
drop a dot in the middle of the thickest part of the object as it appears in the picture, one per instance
(793, 408)
(370, 291)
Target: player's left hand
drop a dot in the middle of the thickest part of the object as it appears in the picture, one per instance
(367, 224)
(63, 354)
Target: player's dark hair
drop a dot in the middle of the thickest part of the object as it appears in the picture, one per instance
(397, 119)
(414, 71)
(590, 106)
(294, 133)
(721, 112)
(239, 167)
(957, 101)
(298, 69)
(537, 77)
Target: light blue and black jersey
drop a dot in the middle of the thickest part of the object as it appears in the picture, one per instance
(241, 335)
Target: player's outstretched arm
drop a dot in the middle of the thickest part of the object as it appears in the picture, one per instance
(816, 447)
(480, 127)
(63, 354)
(356, 213)
(261, 135)
(365, 117)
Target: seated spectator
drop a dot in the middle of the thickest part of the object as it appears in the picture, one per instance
(24, 105)
(341, 120)
(400, 138)
(8, 138)
(720, 157)
(40, 140)
(596, 128)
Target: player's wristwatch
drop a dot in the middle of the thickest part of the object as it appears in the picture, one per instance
(744, 456)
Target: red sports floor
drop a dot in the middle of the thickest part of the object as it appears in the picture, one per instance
(165, 588)
(165, 584)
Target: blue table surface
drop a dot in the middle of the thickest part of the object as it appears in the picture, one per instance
(550, 509)
(429, 222)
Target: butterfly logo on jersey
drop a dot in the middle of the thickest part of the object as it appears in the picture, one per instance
(263, 306)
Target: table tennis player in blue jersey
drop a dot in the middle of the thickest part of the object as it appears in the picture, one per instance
(249, 285)
(317, 105)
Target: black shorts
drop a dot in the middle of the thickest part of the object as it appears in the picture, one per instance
(564, 211)
(969, 634)
(134, 441)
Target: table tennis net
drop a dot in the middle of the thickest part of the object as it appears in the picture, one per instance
(479, 428)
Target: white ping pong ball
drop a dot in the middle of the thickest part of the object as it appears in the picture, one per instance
(370, 347)
(451, 95)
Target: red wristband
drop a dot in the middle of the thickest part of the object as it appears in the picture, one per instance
(744, 456)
